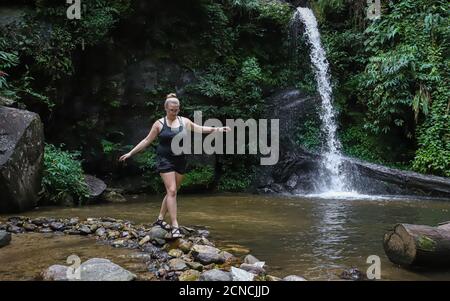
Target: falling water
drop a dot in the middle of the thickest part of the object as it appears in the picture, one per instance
(332, 171)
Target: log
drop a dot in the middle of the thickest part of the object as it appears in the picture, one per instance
(418, 245)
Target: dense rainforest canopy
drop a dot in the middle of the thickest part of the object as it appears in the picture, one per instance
(390, 76)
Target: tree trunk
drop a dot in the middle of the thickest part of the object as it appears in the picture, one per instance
(418, 245)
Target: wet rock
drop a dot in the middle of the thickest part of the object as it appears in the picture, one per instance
(39, 221)
(185, 245)
(56, 226)
(113, 234)
(215, 275)
(250, 259)
(204, 233)
(152, 267)
(272, 278)
(21, 159)
(238, 250)
(195, 265)
(55, 273)
(15, 229)
(241, 275)
(99, 269)
(189, 275)
(30, 227)
(293, 278)
(353, 274)
(157, 233)
(175, 253)
(207, 254)
(100, 232)
(150, 249)
(95, 185)
(119, 243)
(72, 232)
(73, 221)
(145, 240)
(5, 238)
(113, 197)
(85, 230)
(158, 241)
(227, 256)
(177, 264)
(253, 268)
(45, 230)
(17, 220)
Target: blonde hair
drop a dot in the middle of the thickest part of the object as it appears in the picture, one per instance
(171, 99)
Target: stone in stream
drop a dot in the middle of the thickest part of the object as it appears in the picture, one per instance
(56, 226)
(250, 259)
(100, 269)
(215, 275)
(113, 197)
(207, 254)
(85, 230)
(30, 227)
(73, 221)
(195, 265)
(204, 233)
(241, 275)
(100, 231)
(227, 256)
(256, 268)
(184, 245)
(177, 264)
(157, 233)
(55, 273)
(189, 275)
(293, 278)
(272, 278)
(352, 274)
(5, 238)
(15, 229)
(145, 240)
(176, 253)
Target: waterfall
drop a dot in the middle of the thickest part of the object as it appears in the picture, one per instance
(331, 173)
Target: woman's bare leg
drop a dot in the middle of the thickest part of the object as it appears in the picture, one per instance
(163, 211)
(170, 183)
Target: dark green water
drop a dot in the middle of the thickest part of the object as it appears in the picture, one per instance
(312, 237)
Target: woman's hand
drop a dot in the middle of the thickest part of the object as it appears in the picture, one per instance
(124, 157)
(223, 129)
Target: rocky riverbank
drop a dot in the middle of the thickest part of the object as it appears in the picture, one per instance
(191, 258)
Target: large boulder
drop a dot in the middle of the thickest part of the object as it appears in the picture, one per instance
(95, 186)
(100, 269)
(5, 238)
(21, 159)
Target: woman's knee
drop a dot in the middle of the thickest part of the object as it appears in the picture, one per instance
(171, 191)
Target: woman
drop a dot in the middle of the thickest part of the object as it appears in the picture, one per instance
(171, 167)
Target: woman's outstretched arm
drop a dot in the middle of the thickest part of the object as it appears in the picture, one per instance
(204, 129)
(144, 143)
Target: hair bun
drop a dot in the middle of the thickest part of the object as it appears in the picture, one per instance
(171, 95)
